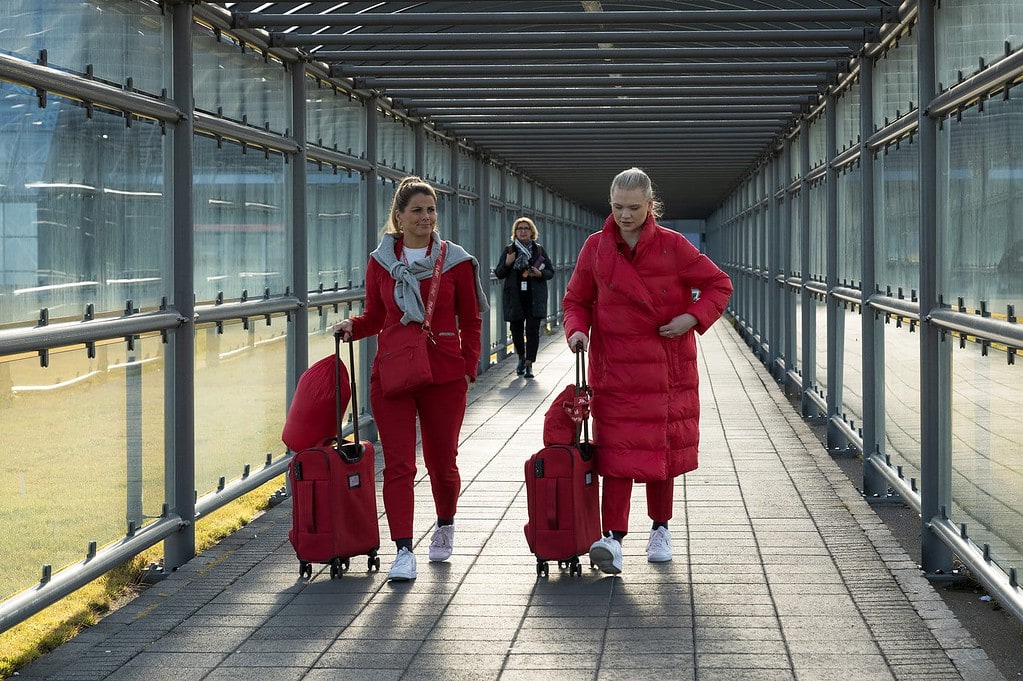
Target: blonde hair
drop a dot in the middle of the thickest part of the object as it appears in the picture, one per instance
(634, 178)
(407, 188)
(532, 227)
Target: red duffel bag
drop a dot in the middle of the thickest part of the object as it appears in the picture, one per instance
(312, 417)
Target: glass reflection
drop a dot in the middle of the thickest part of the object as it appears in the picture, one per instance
(102, 417)
(239, 397)
(987, 451)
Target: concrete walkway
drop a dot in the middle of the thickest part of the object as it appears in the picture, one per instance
(781, 572)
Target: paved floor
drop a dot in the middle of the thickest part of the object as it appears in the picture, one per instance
(781, 571)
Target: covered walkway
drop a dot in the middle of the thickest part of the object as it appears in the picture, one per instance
(781, 571)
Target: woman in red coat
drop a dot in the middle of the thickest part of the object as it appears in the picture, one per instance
(398, 280)
(630, 302)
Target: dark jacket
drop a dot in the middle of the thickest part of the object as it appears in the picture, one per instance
(511, 298)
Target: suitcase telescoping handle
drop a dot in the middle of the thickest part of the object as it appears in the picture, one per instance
(350, 453)
(585, 449)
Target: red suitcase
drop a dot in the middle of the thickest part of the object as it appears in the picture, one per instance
(562, 495)
(334, 503)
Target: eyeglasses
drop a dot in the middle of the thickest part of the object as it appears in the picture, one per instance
(525, 227)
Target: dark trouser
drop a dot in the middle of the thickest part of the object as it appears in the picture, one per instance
(528, 348)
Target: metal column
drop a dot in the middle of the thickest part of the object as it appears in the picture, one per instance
(482, 218)
(935, 358)
(872, 324)
(179, 418)
(835, 321)
(807, 327)
(298, 331)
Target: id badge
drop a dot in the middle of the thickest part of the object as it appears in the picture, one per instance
(524, 285)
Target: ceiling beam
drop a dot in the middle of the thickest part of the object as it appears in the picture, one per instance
(476, 55)
(727, 103)
(766, 81)
(418, 19)
(852, 36)
(809, 92)
(347, 70)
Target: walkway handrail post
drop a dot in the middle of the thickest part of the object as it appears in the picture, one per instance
(871, 325)
(179, 469)
(935, 353)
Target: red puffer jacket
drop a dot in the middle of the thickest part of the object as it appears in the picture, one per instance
(646, 402)
(456, 319)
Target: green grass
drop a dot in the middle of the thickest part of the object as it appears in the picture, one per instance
(60, 622)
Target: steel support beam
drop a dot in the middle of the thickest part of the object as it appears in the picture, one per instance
(349, 70)
(803, 93)
(445, 100)
(179, 416)
(419, 19)
(551, 55)
(835, 319)
(871, 325)
(297, 341)
(765, 81)
(851, 36)
(935, 353)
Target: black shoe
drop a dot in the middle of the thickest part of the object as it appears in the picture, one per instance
(521, 367)
(529, 370)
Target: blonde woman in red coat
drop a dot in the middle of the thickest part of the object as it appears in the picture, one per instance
(398, 280)
(630, 303)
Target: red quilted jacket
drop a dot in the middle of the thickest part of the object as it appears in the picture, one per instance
(646, 403)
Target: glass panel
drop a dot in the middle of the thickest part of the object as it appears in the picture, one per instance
(466, 170)
(114, 445)
(820, 344)
(896, 217)
(795, 236)
(335, 120)
(438, 160)
(81, 209)
(852, 366)
(336, 227)
(968, 31)
(108, 36)
(396, 143)
(895, 82)
(466, 222)
(239, 398)
(241, 214)
(796, 300)
(980, 205)
(902, 397)
(848, 116)
(850, 226)
(818, 231)
(818, 139)
(235, 81)
(987, 451)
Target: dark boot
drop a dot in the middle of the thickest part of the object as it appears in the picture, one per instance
(521, 367)
(529, 370)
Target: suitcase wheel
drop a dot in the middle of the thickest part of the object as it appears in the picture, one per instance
(573, 566)
(305, 569)
(541, 568)
(374, 562)
(337, 569)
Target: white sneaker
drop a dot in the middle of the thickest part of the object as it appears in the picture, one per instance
(404, 567)
(442, 543)
(658, 548)
(606, 554)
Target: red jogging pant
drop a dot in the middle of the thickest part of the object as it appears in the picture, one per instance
(617, 495)
(441, 409)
